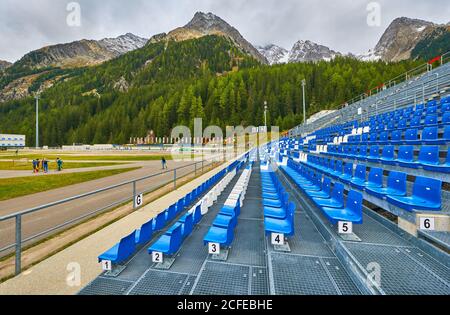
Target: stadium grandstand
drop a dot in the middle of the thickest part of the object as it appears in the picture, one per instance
(354, 203)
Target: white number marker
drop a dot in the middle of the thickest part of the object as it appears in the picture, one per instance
(277, 239)
(214, 248)
(157, 257)
(106, 265)
(427, 224)
(138, 200)
(345, 227)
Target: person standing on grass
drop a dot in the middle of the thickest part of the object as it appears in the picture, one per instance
(59, 164)
(45, 165)
(38, 163)
(34, 165)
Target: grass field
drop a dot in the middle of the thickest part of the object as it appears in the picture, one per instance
(20, 186)
(87, 157)
(18, 166)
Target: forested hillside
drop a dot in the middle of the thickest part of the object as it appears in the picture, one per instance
(169, 83)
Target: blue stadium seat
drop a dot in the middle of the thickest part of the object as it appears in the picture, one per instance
(346, 177)
(431, 120)
(429, 135)
(411, 136)
(362, 153)
(282, 226)
(186, 226)
(325, 192)
(168, 244)
(374, 154)
(384, 138)
(337, 171)
(387, 157)
(373, 138)
(443, 168)
(402, 124)
(144, 234)
(396, 186)
(351, 213)
(396, 137)
(121, 251)
(160, 221)
(445, 118)
(360, 177)
(171, 212)
(415, 122)
(429, 155)
(405, 156)
(426, 195)
(223, 236)
(375, 179)
(336, 200)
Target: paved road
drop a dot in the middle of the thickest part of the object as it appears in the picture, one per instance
(51, 217)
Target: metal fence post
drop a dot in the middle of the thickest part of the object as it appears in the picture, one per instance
(202, 166)
(174, 178)
(18, 244)
(134, 195)
(195, 169)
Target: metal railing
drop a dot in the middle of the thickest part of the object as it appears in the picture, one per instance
(17, 216)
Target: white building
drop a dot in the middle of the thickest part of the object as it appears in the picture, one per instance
(12, 141)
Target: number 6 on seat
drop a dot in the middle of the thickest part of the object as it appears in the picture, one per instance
(214, 248)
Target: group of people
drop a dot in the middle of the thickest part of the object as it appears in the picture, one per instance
(43, 164)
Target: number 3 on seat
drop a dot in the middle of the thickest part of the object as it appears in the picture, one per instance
(214, 248)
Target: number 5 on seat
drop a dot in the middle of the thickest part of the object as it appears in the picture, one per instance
(345, 227)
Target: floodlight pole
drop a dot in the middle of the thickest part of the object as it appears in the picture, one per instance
(265, 114)
(304, 101)
(37, 120)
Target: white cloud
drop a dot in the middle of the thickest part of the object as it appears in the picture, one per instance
(30, 24)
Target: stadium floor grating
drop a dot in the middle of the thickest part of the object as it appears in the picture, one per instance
(254, 268)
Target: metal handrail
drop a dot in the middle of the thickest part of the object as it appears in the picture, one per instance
(18, 215)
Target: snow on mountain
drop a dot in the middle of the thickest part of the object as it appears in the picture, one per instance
(274, 54)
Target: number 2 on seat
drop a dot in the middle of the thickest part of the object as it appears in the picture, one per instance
(157, 257)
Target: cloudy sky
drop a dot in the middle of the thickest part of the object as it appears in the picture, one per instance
(342, 25)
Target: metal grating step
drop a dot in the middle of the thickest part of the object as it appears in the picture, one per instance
(300, 275)
(223, 279)
(106, 286)
(160, 283)
(400, 274)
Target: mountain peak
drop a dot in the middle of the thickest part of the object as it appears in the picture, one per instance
(306, 50)
(203, 24)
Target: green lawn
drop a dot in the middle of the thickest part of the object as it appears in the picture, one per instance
(89, 157)
(21, 186)
(20, 166)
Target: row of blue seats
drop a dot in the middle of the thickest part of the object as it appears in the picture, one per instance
(319, 192)
(278, 211)
(426, 194)
(121, 251)
(428, 158)
(222, 230)
(429, 135)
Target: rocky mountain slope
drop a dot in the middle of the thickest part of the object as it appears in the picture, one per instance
(4, 64)
(400, 39)
(302, 51)
(80, 53)
(203, 24)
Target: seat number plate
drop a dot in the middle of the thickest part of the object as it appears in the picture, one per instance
(345, 227)
(427, 224)
(157, 257)
(277, 239)
(214, 248)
